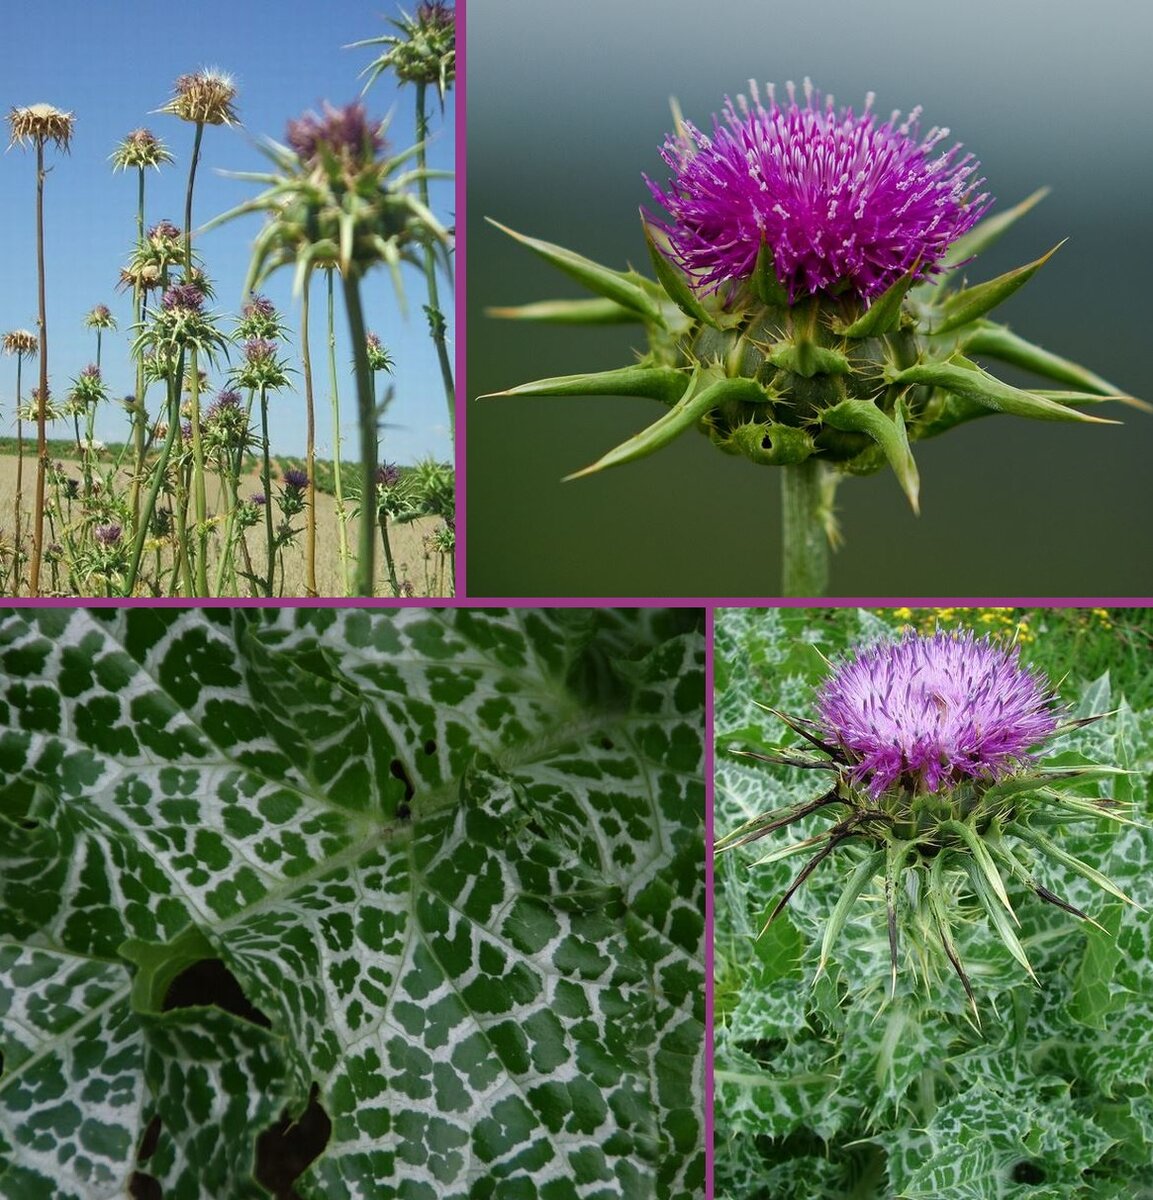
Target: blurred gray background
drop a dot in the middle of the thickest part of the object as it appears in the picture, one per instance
(567, 105)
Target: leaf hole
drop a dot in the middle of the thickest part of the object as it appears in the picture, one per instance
(430, 747)
(210, 982)
(399, 771)
(284, 1151)
(1027, 1172)
(766, 442)
(607, 743)
(142, 1186)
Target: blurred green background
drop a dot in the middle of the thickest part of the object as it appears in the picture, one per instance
(567, 105)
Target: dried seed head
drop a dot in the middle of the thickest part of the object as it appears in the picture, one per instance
(20, 341)
(204, 98)
(41, 123)
(141, 148)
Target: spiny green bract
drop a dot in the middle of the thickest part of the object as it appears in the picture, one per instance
(830, 378)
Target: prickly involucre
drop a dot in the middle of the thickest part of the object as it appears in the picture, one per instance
(806, 304)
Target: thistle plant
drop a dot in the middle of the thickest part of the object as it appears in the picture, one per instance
(37, 125)
(263, 371)
(140, 151)
(99, 318)
(807, 313)
(23, 344)
(338, 201)
(179, 327)
(939, 794)
(424, 54)
(204, 98)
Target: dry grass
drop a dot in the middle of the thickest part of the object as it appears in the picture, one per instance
(413, 562)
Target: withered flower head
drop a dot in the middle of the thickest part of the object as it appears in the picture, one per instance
(20, 341)
(40, 123)
(204, 98)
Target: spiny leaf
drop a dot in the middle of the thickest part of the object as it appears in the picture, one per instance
(863, 416)
(569, 312)
(884, 314)
(684, 415)
(675, 284)
(967, 305)
(967, 380)
(657, 383)
(860, 879)
(613, 285)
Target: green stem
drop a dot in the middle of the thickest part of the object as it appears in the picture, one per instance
(266, 480)
(157, 482)
(341, 514)
(310, 448)
(805, 545)
(366, 414)
(199, 495)
(393, 582)
(436, 323)
(19, 549)
(139, 414)
(41, 433)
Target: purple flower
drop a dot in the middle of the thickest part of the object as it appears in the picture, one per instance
(259, 350)
(259, 306)
(259, 499)
(107, 535)
(387, 475)
(295, 479)
(345, 132)
(183, 295)
(842, 202)
(929, 712)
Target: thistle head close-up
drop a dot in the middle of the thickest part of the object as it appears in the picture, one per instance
(424, 52)
(141, 148)
(204, 98)
(809, 310)
(842, 202)
(20, 341)
(933, 749)
(38, 124)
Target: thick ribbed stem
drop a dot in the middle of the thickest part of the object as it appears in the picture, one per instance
(805, 545)
(366, 414)
(338, 486)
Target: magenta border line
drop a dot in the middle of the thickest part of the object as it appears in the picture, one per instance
(710, 949)
(460, 324)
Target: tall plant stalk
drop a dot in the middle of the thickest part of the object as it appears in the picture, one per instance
(42, 398)
(22, 343)
(310, 448)
(266, 480)
(199, 492)
(338, 486)
(366, 416)
(436, 322)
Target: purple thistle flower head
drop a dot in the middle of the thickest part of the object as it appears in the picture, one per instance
(259, 306)
(183, 295)
(107, 535)
(259, 350)
(92, 371)
(259, 499)
(295, 479)
(930, 712)
(842, 203)
(345, 132)
(387, 475)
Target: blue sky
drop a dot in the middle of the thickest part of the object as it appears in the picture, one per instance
(112, 65)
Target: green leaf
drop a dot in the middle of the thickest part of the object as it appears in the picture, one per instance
(569, 312)
(675, 284)
(863, 416)
(657, 383)
(966, 380)
(884, 314)
(617, 286)
(967, 305)
(455, 859)
(696, 402)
